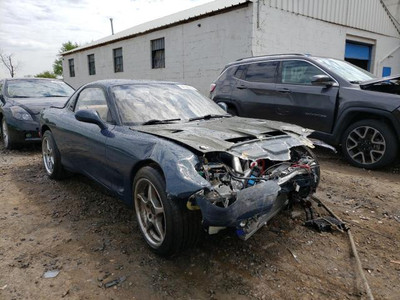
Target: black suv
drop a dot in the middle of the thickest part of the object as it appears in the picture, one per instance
(344, 104)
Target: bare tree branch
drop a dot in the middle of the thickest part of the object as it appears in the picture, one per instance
(9, 63)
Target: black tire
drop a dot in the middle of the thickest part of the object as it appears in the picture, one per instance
(232, 111)
(7, 137)
(369, 144)
(51, 157)
(180, 227)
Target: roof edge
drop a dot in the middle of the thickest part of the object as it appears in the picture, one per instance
(165, 26)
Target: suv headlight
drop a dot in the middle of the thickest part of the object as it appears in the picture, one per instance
(20, 114)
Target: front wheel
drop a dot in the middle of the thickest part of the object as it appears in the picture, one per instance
(7, 137)
(369, 144)
(167, 226)
(51, 157)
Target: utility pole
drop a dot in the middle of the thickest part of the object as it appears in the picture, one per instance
(112, 27)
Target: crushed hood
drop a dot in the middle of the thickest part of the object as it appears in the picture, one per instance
(243, 137)
(368, 83)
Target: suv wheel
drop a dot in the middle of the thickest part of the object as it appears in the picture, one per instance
(369, 144)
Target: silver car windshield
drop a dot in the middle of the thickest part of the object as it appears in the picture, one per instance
(140, 103)
(350, 72)
(37, 88)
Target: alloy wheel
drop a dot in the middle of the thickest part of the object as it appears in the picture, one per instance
(365, 145)
(150, 212)
(48, 155)
(4, 131)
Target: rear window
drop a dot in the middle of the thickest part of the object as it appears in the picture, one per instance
(262, 72)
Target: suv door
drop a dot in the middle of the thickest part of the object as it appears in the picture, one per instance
(255, 89)
(301, 102)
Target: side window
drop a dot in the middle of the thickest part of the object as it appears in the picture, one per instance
(240, 72)
(94, 98)
(262, 72)
(299, 72)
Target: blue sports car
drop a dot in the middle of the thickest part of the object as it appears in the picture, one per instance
(179, 159)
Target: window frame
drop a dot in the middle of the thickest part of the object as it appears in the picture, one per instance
(71, 67)
(279, 78)
(276, 73)
(73, 105)
(91, 64)
(118, 60)
(157, 63)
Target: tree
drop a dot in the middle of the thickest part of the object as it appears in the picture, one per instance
(57, 65)
(46, 74)
(9, 63)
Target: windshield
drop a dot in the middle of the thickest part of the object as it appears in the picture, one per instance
(37, 88)
(346, 70)
(140, 103)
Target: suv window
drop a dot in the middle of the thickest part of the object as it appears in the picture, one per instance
(94, 98)
(299, 72)
(262, 72)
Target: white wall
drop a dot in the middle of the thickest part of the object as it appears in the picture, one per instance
(285, 32)
(193, 54)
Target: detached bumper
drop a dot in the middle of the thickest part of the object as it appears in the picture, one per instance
(254, 206)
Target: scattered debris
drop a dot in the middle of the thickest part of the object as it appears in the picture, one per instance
(3, 287)
(114, 282)
(65, 294)
(51, 274)
(395, 262)
(294, 255)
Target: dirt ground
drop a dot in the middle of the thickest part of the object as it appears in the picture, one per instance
(75, 227)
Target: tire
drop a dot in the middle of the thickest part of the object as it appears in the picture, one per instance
(232, 111)
(8, 139)
(369, 144)
(167, 226)
(51, 157)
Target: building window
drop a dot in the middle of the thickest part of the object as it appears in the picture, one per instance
(92, 67)
(118, 62)
(71, 67)
(158, 53)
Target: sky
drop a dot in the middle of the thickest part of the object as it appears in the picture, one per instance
(34, 30)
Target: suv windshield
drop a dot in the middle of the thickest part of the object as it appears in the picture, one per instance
(141, 103)
(350, 72)
(37, 88)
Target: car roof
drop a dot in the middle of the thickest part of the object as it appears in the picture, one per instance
(31, 78)
(115, 82)
(266, 57)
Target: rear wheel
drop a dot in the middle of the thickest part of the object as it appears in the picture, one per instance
(369, 144)
(51, 157)
(7, 137)
(168, 227)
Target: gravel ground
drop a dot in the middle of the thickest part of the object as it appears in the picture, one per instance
(92, 239)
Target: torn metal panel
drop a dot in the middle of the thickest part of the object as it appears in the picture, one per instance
(237, 136)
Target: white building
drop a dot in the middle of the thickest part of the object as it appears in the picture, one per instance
(194, 45)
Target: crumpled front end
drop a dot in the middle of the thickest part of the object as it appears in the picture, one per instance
(248, 190)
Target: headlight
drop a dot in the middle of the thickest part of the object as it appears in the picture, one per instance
(20, 113)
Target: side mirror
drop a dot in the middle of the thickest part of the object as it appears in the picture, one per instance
(90, 116)
(223, 106)
(2, 99)
(322, 80)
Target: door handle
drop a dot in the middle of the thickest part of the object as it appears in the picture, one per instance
(241, 87)
(284, 91)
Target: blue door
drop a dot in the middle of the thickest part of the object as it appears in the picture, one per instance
(358, 54)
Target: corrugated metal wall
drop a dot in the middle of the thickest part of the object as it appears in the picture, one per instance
(368, 15)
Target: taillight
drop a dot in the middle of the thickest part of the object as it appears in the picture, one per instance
(212, 87)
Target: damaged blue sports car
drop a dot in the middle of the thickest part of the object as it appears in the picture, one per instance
(179, 159)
